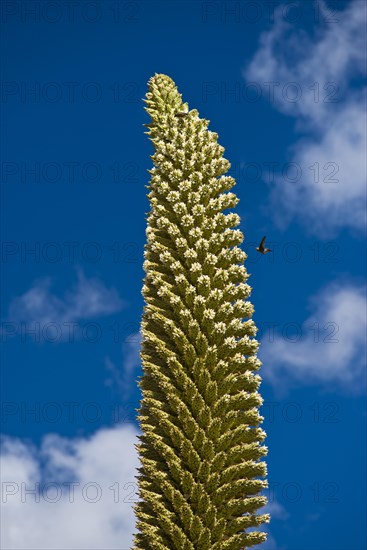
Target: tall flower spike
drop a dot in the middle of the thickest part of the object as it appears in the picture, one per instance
(201, 444)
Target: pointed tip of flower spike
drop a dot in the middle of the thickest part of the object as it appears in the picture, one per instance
(161, 82)
(160, 78)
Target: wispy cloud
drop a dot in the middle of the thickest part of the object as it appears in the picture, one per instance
(121, 376)
(331, 116)
(96, 512)
(270, 543)
(275, 509)
(277, 512)
(88, 299)
(329, 348)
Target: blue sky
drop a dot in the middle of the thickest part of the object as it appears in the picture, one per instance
(283, 85)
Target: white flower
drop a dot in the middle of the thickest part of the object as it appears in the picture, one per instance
(190, 254)
(176, 174)
(216, 294)
(204, 280)
(236, 324)
(165, 256)
(173, 196)
(199, 300)
(163, 222)
(226, 308)
(211, 259)
(162, 291)
(181, 242)
(233, 219)
(180, 279)
(179, 208)
(187, 220)
(209, 314)
(198, 210)
(164, 186)
(185, 186)
(231, 342)
(195, 267)
(220, 327)
(185, 313)
(202, 244)
(195, 233)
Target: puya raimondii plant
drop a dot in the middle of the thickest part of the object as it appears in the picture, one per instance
(201, 443)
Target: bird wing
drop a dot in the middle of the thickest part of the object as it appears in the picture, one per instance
(262, 244)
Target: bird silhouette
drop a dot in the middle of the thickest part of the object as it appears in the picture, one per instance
(261, 248)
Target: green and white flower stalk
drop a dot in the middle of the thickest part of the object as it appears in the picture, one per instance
(201, 443)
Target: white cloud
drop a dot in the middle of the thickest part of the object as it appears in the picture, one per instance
(333, 126)
(88, 299)
(106, 459)
(328, 349)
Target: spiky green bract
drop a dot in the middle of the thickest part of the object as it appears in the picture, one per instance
(201, 445)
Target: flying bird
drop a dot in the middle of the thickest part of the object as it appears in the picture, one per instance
(261, 248)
